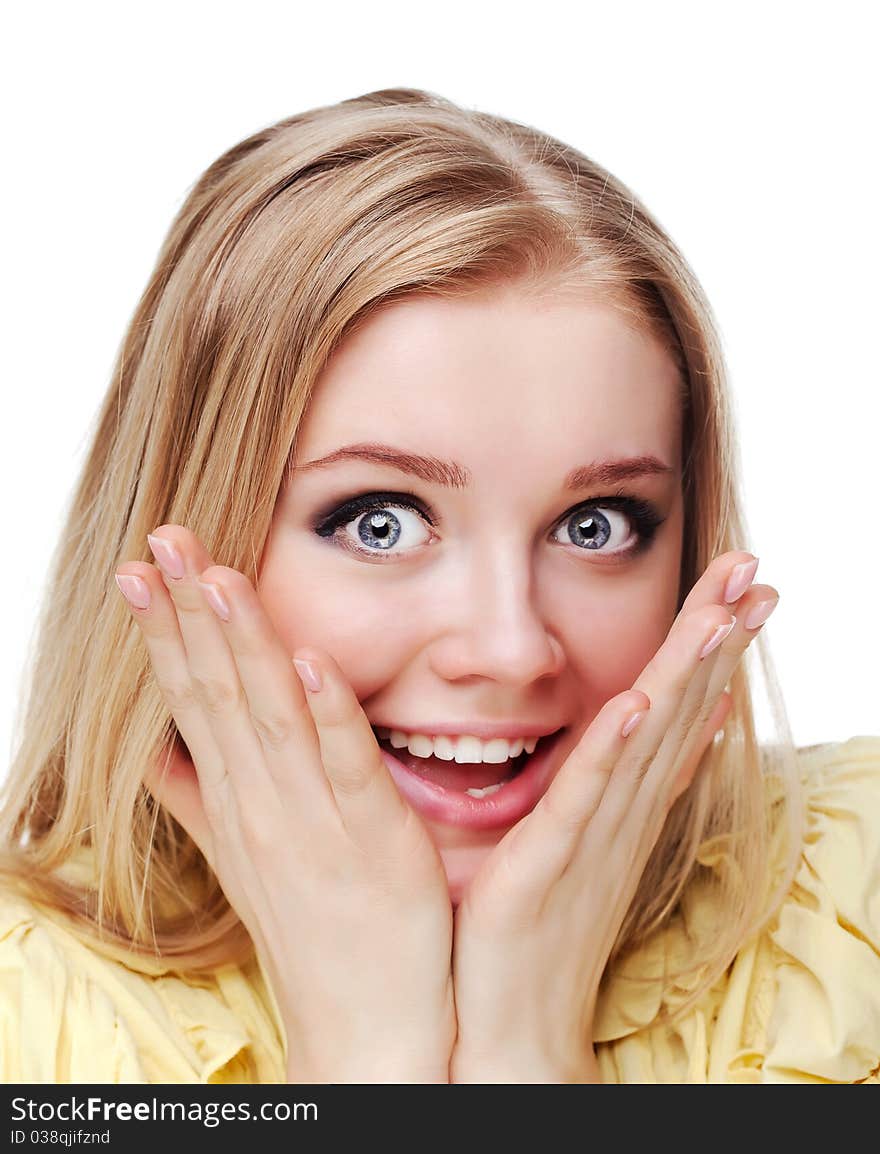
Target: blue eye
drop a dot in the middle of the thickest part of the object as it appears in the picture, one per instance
(378, 527)
(591, 529)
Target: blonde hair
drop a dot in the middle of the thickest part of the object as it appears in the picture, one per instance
(284, 245)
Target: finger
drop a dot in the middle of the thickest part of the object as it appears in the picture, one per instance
(727, 581)
(685, 740)
(686, 773)
(151, 606)
(753, 612)
(217, 686)
(366, 796)
(547, 839)
(648, 755)
(724, 581)
(276, 701)
(213, 674)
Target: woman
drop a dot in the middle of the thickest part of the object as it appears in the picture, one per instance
(426, 401)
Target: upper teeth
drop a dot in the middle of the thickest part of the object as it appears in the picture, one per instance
(465, 749)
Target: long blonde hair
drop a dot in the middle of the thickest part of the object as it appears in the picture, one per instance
(285, 244)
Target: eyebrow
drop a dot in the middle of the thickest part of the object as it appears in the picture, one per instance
(452, 475)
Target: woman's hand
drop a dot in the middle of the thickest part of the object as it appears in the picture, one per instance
(286, 794)
(536, 926)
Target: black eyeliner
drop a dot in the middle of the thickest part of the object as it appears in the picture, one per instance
(643, 514)
(327, 522)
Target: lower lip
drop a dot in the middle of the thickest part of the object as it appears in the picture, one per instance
(504, 808)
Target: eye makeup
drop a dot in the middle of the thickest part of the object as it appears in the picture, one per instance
(326, 523)
(643, 516)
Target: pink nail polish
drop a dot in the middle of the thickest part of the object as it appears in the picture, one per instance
(135, 591)
(167, 556)
(740, 579)
(759, 613)
(717, 637)
(632, 722)
(215, 599)
(309, 674)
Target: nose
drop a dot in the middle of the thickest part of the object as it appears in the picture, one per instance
(495, 629)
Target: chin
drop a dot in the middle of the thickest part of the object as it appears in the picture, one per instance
(462, 863)
(463, 851)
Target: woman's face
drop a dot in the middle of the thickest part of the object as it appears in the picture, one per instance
(494, 584)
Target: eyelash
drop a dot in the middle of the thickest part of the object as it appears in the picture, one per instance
(643, 516)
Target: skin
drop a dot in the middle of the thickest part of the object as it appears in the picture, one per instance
(501, 616)
(495, 622)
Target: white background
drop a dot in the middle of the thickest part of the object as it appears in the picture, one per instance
(749, 130)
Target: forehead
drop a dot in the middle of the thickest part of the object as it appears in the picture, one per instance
(501, 372)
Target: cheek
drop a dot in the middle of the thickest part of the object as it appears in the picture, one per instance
(616, 645)
(312, 603)
(613, 636)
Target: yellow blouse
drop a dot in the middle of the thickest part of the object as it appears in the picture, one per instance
(801, 1003)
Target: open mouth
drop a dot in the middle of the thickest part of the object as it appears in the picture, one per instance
(474, 795)
(476, 778)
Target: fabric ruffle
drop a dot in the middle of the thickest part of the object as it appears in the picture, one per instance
(801, 1003)
(69, 1015)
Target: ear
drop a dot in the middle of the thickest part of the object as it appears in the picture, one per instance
(174, 783)
(717, 717)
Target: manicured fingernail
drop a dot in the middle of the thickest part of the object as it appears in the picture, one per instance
(215, 599)
(167, 555)
(740, 579)
(759, 613)
(717, 637)
(632, 722)
(135, 591)
(309, 674)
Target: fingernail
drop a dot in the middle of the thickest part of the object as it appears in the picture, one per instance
(167, 555)
(135, 591)
(717, 637)
(309, 674)
(632, 722)
(740, 579)
(215, 598)
(760, 612)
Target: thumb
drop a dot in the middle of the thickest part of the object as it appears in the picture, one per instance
(174, 783)
(716, 719)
